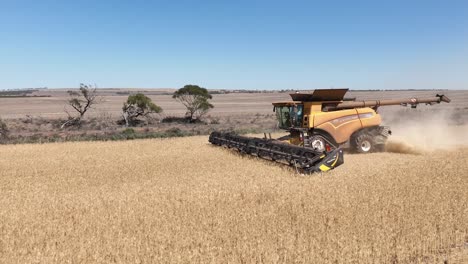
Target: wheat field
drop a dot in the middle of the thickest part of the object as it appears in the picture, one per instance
(185, 201)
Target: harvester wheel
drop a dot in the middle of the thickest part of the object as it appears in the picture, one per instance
(317, 143)
(363, 143)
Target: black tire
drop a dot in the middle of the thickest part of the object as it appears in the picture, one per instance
(363, 143)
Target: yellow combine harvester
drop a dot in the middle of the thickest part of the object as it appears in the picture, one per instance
(319, 124)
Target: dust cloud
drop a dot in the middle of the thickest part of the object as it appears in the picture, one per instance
(420, 131)
(395, 146)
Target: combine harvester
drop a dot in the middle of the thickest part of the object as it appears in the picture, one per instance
(320, 124)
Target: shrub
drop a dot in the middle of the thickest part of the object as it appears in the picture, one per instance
(175, 119)
(129, 133)
(3, 130)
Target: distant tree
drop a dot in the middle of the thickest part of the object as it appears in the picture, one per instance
(195, 99)
(136, 106)
(80, 101)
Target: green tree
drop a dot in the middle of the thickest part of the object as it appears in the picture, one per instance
(195, 99)
(138, 105)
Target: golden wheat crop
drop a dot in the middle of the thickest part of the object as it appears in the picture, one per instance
(185, 201)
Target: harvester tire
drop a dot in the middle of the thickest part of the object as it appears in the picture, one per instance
(317, 143)
(363, 143)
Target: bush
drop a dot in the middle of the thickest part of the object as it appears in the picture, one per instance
(214, 121)
(175, 132)
(3, 130)
(129, 133)
(175, 119)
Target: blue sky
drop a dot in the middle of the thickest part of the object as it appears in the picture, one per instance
(234, 44)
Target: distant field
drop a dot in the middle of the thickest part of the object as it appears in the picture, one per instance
(225, 104)
(185, 201)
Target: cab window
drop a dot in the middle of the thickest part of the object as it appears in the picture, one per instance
(289, 116)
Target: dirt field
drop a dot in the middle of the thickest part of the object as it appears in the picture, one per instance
(225, 104)
(185, 201)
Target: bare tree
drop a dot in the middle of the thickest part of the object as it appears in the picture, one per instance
(81, 101)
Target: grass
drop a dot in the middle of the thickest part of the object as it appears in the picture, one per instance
(185, 201)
